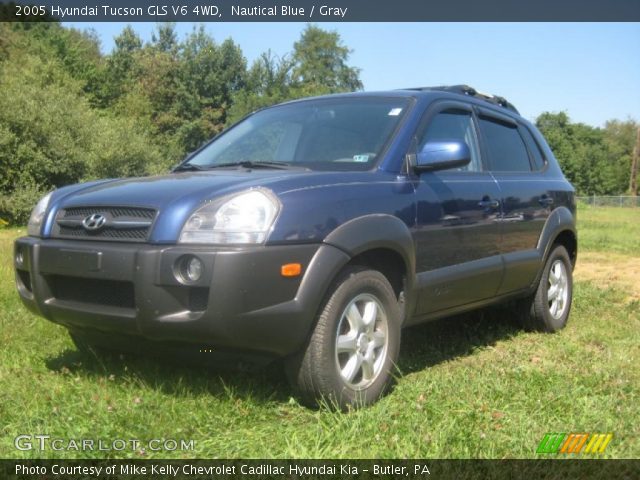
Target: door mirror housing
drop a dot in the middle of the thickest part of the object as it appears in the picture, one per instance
(441, 155)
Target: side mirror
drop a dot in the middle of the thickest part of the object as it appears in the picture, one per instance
(442, 155)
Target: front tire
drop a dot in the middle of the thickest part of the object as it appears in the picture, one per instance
(548, 309)
(350, 357)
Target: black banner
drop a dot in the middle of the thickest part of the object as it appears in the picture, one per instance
(320, 10)
(316, 469)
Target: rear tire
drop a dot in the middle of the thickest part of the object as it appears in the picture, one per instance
(548, 309)
(351, 355)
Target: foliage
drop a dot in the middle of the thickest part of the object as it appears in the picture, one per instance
(69, 113)
(321, 62)
(49, 134)
(15, 208)
(317, 66)
(596, 160)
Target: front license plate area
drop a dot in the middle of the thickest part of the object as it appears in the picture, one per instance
(70, 261)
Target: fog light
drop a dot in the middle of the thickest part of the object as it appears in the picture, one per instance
(189, 269)
(194, 269)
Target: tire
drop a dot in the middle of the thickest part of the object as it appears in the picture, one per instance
(349, 360)
(548, 309)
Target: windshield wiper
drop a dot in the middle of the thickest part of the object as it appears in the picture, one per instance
(192, 167)
(257, 164)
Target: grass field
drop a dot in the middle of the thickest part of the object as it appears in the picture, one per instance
(472, 387)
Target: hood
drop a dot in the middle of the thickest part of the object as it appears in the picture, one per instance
(176, 196)
(161, 191)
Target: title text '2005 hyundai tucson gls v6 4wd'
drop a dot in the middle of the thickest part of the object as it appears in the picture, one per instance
(314, 231)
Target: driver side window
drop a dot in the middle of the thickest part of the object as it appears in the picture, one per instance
(454, 125)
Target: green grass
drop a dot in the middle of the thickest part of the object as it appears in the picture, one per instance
(474, 386)
(609, 229)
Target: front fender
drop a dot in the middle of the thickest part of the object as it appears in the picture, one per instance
(376, 231)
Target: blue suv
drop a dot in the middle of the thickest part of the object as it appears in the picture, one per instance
(314, 231)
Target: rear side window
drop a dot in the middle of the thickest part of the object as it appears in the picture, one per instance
(534, 148)
(505, 147)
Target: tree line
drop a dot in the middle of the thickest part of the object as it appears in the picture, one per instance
(70, 113)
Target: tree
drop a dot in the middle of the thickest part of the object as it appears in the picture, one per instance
(321, 62)
(620, 137)
(69, 113)
(51, 136)
(317, 65)
(268, 82)
(165, 38)
(597, 161)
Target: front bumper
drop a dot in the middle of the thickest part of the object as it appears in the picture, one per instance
(241, 302)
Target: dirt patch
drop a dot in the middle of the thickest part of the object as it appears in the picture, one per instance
(610, 269)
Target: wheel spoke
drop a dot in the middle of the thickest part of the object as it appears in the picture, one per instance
(352, 367)
(354, 318)
(370, 315)
(554, 308)
(559, 270)
(346, 343)
(553, 292)
(379, 339)
(367, 365)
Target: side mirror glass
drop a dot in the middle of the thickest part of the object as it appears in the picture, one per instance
(442, 155)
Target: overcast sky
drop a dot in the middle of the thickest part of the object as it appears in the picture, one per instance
(589, 70)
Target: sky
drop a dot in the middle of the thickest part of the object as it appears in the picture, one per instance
(589, 70)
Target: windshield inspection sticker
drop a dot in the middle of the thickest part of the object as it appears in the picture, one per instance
(361, 158)
(394, 112)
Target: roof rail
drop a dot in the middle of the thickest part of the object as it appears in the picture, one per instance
(471, 92)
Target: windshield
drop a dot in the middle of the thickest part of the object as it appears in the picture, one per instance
(328, 134)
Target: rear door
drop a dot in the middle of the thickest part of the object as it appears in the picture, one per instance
(516, 162)
(456, 236)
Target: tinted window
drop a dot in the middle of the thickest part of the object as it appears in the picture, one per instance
(505, 147)
(454, 125)
(336, 134)
(534, 148)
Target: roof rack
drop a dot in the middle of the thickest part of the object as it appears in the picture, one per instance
(471, 92)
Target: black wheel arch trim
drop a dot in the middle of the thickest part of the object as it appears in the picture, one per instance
(560, 220)
(379, 231)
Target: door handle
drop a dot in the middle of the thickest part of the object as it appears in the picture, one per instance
(545, 201)
(486, 202)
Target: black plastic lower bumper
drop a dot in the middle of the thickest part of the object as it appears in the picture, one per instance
(240, 302)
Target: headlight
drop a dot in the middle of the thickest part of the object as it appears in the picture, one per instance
(243, 219)
(37, 214)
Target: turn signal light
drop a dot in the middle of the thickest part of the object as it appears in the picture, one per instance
(291, 270)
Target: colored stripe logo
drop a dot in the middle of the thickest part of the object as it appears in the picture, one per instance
(574, 443)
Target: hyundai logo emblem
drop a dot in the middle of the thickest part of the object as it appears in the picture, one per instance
(94, 222)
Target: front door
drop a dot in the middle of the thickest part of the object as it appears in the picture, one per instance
(456, 234)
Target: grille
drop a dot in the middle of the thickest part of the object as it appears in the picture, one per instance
(125, 224)
(107, 233)
(83, 212)
(110, 293)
